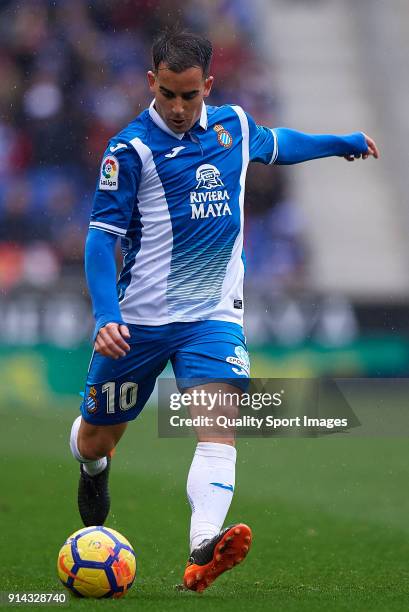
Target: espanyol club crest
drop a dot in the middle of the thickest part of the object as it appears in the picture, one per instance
(208, 177)
(109, 173)
(91, 401)
(224, 138)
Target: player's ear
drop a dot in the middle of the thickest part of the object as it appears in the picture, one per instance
(151, 80)
(208, 86)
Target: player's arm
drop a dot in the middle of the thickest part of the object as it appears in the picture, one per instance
(100, 270)
(286, 146)
(112, 211)
(294, 147)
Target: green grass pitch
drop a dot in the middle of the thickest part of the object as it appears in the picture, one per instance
(330, 518)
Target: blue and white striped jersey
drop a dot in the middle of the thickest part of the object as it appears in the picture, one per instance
(176, 200)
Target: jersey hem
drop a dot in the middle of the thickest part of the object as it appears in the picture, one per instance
(157, 322)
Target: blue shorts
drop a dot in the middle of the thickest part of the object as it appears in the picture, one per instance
(204, 351)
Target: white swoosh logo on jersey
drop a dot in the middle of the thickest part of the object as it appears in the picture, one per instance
(174, 152)
(120, 145)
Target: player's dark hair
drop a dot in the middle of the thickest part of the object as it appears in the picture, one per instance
(180, 50)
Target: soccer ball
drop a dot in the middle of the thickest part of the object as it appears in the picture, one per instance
(97, 562)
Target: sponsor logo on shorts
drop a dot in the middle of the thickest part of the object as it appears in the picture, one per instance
(241, 360)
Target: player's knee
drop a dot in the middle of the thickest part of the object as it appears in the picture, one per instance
(94, 448)
(230, 411)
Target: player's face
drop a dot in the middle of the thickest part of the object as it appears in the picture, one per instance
(179, 95)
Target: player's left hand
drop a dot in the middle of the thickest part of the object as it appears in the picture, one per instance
(372, 150)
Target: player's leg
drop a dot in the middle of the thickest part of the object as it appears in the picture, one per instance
(215, 351)
(210, 488)
(116, 392)
(92, 446)
(212, 475)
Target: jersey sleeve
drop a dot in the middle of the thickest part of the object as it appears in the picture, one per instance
(117, 188)
(262, 143)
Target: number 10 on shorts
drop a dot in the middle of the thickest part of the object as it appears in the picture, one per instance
(128, 395)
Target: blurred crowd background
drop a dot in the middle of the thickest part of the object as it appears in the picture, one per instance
(71, 75)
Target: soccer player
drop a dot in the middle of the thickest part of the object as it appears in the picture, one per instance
(171, 187)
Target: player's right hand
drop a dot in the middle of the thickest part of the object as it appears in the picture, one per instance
(110, 341)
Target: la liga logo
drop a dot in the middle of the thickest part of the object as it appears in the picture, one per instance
(109, 173)
(109, 168)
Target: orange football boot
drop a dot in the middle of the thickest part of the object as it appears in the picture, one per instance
(215, 556)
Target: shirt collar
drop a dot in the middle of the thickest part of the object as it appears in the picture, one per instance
(203, 117)
(157, 119)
